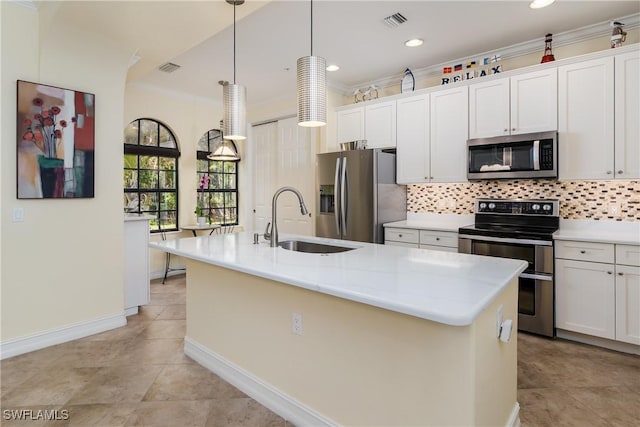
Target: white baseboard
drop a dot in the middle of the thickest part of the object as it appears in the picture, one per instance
(514, 418)
(599, 342)
(131, 311)
(278, 402)
(17, 346)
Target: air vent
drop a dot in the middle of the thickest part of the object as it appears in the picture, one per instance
(169, 67)
(394, 20)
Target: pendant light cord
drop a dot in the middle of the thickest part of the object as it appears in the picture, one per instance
(311, 26)
(234, 42)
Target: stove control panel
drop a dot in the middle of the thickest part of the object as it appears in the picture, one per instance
(518, 207)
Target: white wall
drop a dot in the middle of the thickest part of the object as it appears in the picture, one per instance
(63, 265)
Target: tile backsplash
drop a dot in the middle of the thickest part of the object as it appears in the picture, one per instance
(595, 200)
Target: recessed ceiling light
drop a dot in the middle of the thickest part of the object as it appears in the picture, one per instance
(332, 67)
(538, 4)
(413, 42)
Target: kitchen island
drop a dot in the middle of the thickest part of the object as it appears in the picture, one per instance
(382, 335)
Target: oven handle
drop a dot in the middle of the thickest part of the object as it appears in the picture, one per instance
(544, 277)
(506, 240)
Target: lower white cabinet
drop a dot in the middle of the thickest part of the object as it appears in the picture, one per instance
(446, 241)
(598, 289)
(136, 264)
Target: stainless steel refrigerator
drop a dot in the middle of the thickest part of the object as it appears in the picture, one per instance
(357, 193)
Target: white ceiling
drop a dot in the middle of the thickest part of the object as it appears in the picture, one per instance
(270, 36)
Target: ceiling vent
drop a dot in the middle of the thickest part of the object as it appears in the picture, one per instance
(169, 67)
(394, 20)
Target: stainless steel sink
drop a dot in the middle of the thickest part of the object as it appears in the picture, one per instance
(313, 248)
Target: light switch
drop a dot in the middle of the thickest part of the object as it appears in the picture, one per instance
(18, 214)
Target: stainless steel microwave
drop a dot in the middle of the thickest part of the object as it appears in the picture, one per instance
(531, 155)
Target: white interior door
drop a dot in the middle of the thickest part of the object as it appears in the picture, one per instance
(295, 168)
(264, 170)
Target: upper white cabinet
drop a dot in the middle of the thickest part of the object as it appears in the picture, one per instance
(627, 113)
(585, 119)
(380, 124)
(524, 103)
(432, 134)
(374, 122)
(412, 151)
(449, 131)
(350, 124)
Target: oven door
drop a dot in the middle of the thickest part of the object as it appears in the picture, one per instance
(535, 304)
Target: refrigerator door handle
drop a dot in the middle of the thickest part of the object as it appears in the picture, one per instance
(336, 183)
(344, 196)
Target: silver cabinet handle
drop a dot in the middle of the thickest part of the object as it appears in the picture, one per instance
(513, 129)
(583, 252)
(506, 130)
(400, 235)
(609, 172)
(437, 238)
(620, 172)
(620, 274)
(609, 272)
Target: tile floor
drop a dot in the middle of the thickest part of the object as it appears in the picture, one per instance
(138, 375)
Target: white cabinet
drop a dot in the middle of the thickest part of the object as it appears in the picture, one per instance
(627, 116)
(136, 266)
(446, 241)
(598, 289)
(380, 124)
(449, 131)
(374, 122)
(412, 151)
(585, 119)
(524, 103)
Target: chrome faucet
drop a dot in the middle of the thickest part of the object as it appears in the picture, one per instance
(273, 235)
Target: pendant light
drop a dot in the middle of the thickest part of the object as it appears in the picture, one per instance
(234, 96)
(224, 149)
(312, 88)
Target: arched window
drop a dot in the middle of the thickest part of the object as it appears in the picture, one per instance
(217, 183)
(151, 173)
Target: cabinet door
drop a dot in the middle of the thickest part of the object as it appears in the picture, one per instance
(628, 304)
(585, 298)
(489, 108)
(627, 111)
(448, 135)
(585, 120)
(350, 124)
(136, 253)
(412, 151)
(534, 102)
(380, 124)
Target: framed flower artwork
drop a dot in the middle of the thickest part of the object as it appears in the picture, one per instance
(56, 142)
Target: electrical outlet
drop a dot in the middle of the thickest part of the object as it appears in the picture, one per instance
(614, 209)
(18, 214)
(296, 323)
(452, 204)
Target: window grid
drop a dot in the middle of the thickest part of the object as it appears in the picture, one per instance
(151, 173)
(218, 197)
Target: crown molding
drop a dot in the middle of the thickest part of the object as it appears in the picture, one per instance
(577, 35)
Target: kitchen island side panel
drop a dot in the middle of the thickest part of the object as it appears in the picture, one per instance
(355, 364)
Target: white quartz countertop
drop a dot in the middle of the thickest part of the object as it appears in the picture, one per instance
(436, 222)
(443, 287)
(138, 217)
(619, 232)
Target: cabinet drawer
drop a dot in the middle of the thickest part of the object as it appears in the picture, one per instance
(628, 255)
(439, 238)
(403, 244)
(405, 235)
(585, 251)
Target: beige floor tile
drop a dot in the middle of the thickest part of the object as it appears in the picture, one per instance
(179, 413)
(85, 353)
(190, 382)
(173, 312)
(100, 415)
(171, 287)
(150, 352)
(146, 312)
(242, 412)
(131, 330)
(53, 386)
(165, 329)
(555, 407)
(167, 298)
(117, 384)
(620, 406)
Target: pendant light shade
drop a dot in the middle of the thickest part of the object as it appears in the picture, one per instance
(234, 99)
(225, 150)
(234, 96)
(312, 87)
(312, 91)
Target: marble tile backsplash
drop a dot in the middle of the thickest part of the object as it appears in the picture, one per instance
(595, 200)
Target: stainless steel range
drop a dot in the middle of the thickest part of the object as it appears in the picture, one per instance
(520, 229)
